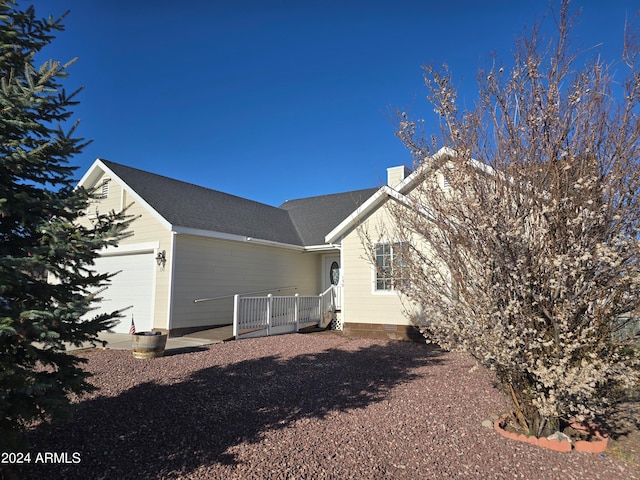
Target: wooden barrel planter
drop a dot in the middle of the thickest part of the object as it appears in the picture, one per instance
(148, 344)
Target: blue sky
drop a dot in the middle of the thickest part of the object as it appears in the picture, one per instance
(275, 100)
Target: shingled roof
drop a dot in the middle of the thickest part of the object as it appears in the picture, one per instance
(301, 222)
(314, 217)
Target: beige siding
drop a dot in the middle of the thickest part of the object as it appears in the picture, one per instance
(207, 267)
(147, 228)
(362, 304)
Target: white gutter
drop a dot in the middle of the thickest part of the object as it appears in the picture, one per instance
(322, 247)
(234, 238)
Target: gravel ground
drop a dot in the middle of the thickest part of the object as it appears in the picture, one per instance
(297, 406)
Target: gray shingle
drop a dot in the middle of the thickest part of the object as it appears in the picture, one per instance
(297, 222)
(186, 205)
(314, 217)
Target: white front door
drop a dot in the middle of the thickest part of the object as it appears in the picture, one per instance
(332, 271)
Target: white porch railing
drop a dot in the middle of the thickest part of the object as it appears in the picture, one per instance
(337, 296)
(273, 315)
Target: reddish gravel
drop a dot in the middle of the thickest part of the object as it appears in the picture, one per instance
(297, 406)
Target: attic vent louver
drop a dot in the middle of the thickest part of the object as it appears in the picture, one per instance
(104, 192)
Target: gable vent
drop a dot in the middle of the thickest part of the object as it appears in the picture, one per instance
(104, 191)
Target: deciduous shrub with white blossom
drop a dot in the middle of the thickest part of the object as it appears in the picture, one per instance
(523, 237)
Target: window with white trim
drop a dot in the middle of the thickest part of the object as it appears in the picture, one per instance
(391, 266)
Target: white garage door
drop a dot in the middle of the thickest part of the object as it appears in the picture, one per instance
(133, 287)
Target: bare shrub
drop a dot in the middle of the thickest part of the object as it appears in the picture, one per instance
(522, 236)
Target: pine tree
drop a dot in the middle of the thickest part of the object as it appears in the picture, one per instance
(47, 284)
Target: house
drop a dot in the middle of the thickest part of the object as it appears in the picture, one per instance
(192, 249)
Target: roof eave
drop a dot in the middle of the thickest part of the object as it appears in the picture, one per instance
(371, 204)
(415, 176)
(93, 174)
(324, 247)
(235, 238)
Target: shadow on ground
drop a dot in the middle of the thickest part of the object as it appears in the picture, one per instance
(182, 350)
(624, 428)
(153, 429)
(626, 418)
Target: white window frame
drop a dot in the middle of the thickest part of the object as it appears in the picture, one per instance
(375, 273)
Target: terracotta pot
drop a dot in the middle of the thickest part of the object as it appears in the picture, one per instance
(598, 445)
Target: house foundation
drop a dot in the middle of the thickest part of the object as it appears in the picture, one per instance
(384, 331)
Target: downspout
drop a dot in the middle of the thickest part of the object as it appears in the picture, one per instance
(172, 263)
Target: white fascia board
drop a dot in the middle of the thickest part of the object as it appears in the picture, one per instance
(322, 248)
(234, 238)
(209, 234)
(413, 177)
(409, 182)
(271, 243)
(407, 202)
(372, 203)
(93, 173)
(396, 193)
